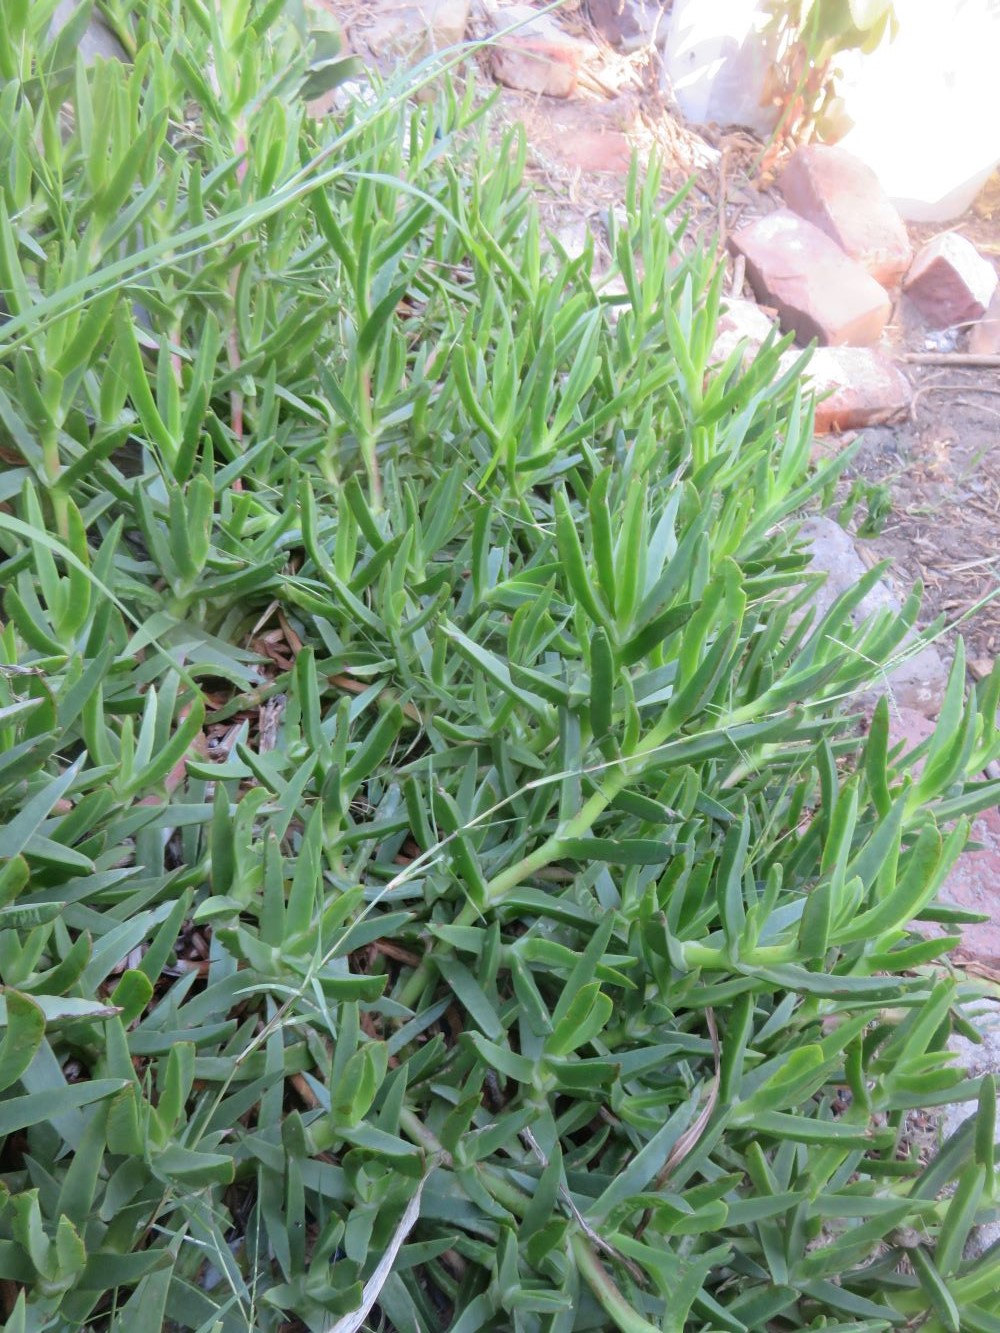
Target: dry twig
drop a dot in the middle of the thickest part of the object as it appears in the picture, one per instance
(694, 1131)
(952, 359)
(529, 1140)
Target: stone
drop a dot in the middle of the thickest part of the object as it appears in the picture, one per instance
(817, 290)
(413, 31)
(586, 136)
(974, 883)
(950, 282)
(352, 92)
(984, 337)
(855, 387)
(841, 195)
(628, 24)
(916, 683)
(97, 41)
(920, 679)
(447, 19)
(538, 56)
(573, 237)
(715, 65)
(909, 728)
(614, 293)
(740, 322)
(976, 1059)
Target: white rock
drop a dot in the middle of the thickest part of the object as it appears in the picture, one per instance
(919, 681)
(975, 1060)
(414, 30)
(740, 321)
(353, 92)
(573, 237)
(714, 63)
(97, 41)
(629, 24)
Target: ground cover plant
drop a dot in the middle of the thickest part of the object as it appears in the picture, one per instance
(440, 886)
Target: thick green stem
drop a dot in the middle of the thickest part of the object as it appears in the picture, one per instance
(552, 849)
(717, 960)
(506, 1194)
(608, 1296)
(414, 1127)
(615, 781)
(369, 444)
(53, 472)
(549, 851)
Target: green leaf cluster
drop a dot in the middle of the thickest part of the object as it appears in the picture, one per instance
(441, 882)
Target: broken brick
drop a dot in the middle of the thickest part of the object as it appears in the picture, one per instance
(836, 192)
(539, 56)
(855, 387)
(950, 282)
(818, 291)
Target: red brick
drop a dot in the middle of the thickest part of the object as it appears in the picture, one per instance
(539, 56)
(984, 337)
(859, 387)
(818, 291)
(841, 195)
(950, 282)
